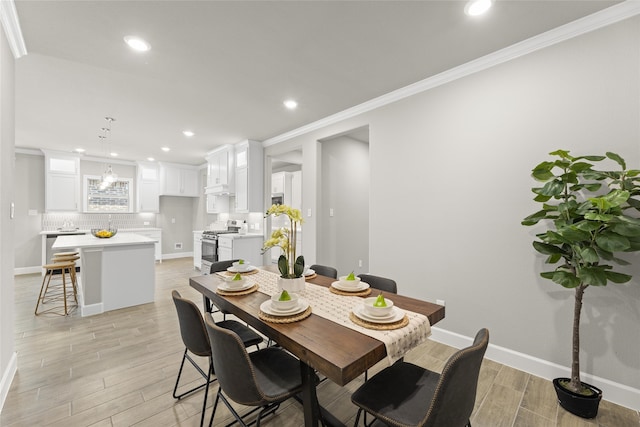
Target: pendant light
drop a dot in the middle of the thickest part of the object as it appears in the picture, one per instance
(108, 177)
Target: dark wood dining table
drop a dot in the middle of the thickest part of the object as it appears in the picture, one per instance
(335, 351)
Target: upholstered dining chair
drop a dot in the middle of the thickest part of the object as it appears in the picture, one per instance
(407, 395)
(380, 283)
(325, 270)
(262, 379)
(196, 341)
(215, 268)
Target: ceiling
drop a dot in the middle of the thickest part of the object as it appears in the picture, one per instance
(223, 68)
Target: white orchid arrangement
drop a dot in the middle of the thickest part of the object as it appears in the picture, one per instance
(285, 238)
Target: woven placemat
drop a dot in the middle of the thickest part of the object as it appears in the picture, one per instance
(242, 273)
(362, 293)
(379, 326)
(312, 276)
(285, 319)
(237, 293)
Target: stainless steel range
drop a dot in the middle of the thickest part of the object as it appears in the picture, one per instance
(210, 244)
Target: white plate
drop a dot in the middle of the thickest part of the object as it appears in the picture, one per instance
(396, 315)
(234, 270)
(361, 287)
(266, 307)
(309, 272)
(227, 288)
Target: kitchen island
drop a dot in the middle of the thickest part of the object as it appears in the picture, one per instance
(115, 273)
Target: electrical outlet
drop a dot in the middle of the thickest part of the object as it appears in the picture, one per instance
(173, 220)
(330, 211)
(440, 302)
(359, 263)
(309, 212)
(177, 246)
(146, 223)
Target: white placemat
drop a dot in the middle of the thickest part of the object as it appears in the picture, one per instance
(337, 308)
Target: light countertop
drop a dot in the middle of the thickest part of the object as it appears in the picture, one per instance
(89, 241)
(87, 231)
(240, 236)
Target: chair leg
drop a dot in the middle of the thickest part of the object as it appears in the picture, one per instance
(206, 391)
(357, 418)
(185, 356)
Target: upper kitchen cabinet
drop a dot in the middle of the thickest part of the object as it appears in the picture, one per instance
(148, 190)
(178, 180)
(62, 181)
(249, 169)
(220, 172)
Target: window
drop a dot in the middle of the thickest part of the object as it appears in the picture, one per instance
(114, 198)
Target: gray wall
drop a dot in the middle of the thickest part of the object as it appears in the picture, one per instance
(29, 178)
(7, 143)
(457, 160)
(180, 231)
(344, 237)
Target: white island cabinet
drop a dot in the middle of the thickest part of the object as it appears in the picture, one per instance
(115, 273)
(241, 246)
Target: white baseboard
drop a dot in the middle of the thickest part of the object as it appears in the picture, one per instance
(178, 255)
(91, 309)
(27, 270)
(620, 394)
(7, 378)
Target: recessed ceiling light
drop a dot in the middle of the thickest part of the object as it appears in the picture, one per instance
(151, 159)
(136, 43)
(114, 154)
(79, 150)
(187, 133)
(290, 104)
(477, 7)
(166, 149)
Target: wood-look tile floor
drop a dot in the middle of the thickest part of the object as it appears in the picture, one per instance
(119, 368)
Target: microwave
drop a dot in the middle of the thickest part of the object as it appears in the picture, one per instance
(277, 199)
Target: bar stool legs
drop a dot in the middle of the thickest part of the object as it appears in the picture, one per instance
(50, 293)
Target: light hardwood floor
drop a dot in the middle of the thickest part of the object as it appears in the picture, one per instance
(119, 368)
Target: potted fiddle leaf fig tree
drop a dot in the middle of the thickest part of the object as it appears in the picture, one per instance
(591, 216)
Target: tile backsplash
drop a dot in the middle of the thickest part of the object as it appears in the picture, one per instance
(86, 221)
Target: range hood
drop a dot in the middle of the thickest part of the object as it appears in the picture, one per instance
(217, 189)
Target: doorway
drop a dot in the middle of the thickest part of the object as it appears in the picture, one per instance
(343, 229)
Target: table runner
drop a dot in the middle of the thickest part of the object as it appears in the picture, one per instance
(336, 308)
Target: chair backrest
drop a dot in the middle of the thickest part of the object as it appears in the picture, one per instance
(192, 329)
(324, 270)
(233, 366)
(455, 394)
(380, 283)
(221, 265)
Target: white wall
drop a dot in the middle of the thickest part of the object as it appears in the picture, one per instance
(457, 160)
(8, 362)
(29, 195)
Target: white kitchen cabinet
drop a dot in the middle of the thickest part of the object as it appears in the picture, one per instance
(178, 180)
(249, 177)
(154, 234)
(247, 247)
(148, 188)
(296, 190)
(197, 249)
(217, 203)
(278, 182)
(220, 171)
(62, 182)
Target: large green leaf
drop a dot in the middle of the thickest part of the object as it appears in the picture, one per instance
(581, 166)
(546, 249)
(591, 158)
(616, 158)
(595, 276)
(587, 225)
(555, 238)
(563, 278)
(552, 188)
(542, 172)
(562, 153)
(574, 234)
(626, 229)
(534, 218)
(592, 186)
(589, 255)
(617, 277)
(594, 216)
(617, 197)
(553, 258)
(612, 242)
(541, 199)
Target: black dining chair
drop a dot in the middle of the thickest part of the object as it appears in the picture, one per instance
(325, 270)
(215, 268)
(196, 341)
(380, 283)
(405, 394)
(262, 379)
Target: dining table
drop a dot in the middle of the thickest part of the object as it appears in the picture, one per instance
(338, 352)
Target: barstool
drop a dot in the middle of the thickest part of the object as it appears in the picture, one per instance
(49, 294)
(68, 256)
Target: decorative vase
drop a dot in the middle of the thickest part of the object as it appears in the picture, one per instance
(291, 285)
(578, 404)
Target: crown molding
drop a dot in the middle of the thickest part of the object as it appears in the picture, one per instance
(603, 18)
(11, 25)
